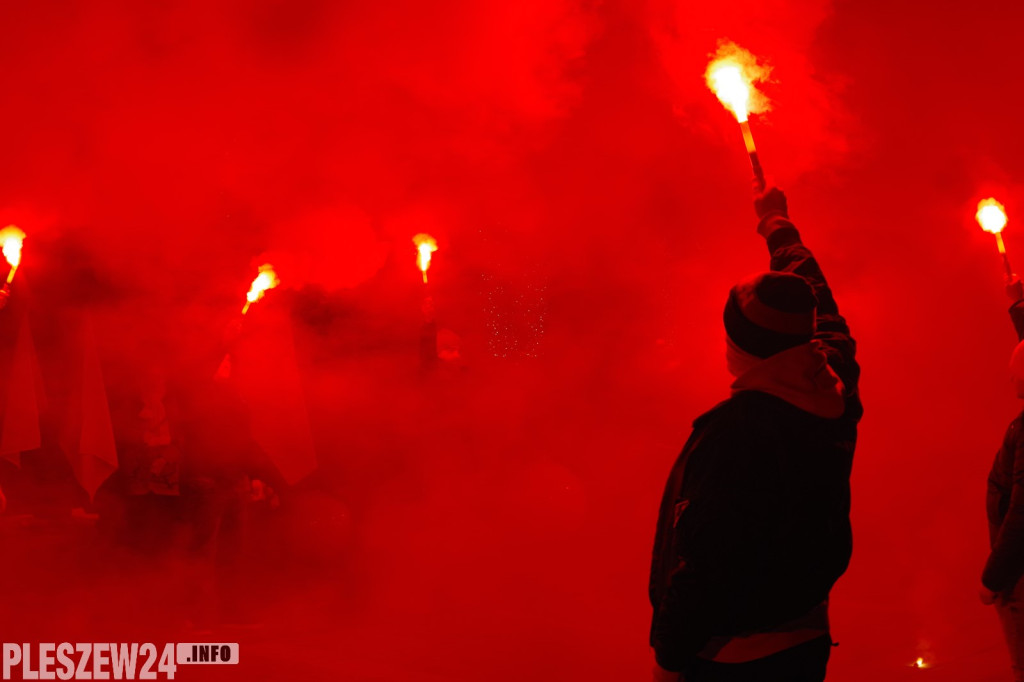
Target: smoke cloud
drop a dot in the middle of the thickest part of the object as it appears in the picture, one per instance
(491, 449)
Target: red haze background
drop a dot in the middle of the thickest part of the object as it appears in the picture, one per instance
(591, 201)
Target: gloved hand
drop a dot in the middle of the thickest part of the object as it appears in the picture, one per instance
(770, 202)
(1014, 289)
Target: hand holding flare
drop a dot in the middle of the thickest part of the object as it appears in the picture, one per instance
(265, 280)
(731, 75)
(992, 217)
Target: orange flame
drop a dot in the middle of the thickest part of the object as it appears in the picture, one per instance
(991, 216)
(11, 239)
(919, 663)
(425, 245)
(267, 279)
(731, 76)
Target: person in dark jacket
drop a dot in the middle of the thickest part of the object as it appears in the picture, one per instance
(754, 527)
(1000, 582)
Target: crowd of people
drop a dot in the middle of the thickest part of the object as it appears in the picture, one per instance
(754, 524)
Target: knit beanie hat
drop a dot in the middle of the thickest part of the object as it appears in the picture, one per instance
(770, 313)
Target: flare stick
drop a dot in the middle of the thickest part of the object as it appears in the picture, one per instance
(731, 76)
(991, 216)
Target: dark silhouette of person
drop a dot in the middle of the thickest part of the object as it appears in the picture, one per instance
(220, 463)
(1001, 582)
(753, 528)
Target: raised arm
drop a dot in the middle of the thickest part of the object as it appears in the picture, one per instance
(788, 254)
(1015, 290)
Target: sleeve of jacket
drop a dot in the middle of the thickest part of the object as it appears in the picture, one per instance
(1005, 564)
(788, 254)
(994, 501)
(678, 631)
(1017, 315)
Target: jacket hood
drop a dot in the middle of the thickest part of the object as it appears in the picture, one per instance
(801, 376)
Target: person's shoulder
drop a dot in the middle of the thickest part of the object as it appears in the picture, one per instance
(1015, 430)
(1016, 425)
(756, 405)
(743, 416)
(767, 421)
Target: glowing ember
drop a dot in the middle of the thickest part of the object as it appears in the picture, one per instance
(267, 279)
(11, 239)
(919, 663)
(991, 216)
(731, 75)
(425, 245)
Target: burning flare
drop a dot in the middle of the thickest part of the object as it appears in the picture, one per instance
(267, 279)
(726, 80)
(731, 76)
(991, 216)
(11, 239)
(425, 245)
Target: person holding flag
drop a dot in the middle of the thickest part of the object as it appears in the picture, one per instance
(1001, 583)
(754, 527)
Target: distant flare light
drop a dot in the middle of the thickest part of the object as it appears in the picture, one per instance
(991, 216)
(731, 75)
(425, 246)
(11, 239)
(266, 280)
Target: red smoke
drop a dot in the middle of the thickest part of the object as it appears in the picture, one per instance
(590, 198)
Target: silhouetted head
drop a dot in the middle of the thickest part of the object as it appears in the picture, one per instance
(769, 313)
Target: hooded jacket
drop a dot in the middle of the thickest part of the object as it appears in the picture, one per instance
(753, 528)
